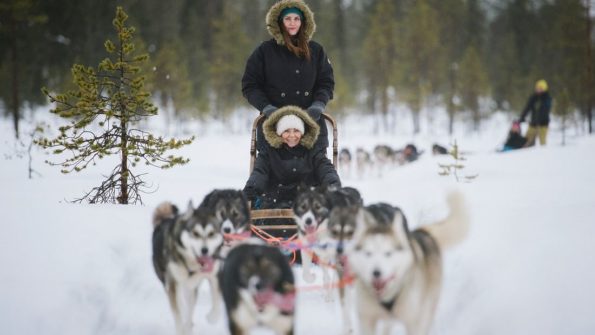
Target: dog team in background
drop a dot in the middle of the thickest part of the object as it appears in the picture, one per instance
(382, 157)
(396, 273)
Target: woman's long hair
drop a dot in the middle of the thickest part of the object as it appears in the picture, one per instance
(297, 45)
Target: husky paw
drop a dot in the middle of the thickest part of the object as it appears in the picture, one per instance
(309, 277)
(213, 316)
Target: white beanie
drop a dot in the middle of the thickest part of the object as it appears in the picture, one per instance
(288, 122)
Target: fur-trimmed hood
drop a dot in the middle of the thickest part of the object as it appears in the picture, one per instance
(272, 19)
(311, 128)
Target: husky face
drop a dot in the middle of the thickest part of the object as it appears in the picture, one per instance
(311, 210)
(381, 256)
(258, 273)
(199, 238)
(341, 228)
(230, 207)
(345, 156)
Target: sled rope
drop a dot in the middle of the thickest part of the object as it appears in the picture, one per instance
(276, 241)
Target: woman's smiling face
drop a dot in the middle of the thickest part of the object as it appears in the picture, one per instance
(292, 23)
(291, 137)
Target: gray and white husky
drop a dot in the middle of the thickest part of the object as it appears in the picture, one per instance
(399, 272)
(312, 209)
(258, 289)
(230, 207)
(186, 252)
(326, 221)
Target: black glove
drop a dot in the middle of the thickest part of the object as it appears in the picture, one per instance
(250, 192)
(268, 110)
(316, 109)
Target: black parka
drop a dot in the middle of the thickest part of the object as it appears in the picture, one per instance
(279, 170)
(539, 105)
(275, 76)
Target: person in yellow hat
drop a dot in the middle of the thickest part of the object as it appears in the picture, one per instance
(539, 105)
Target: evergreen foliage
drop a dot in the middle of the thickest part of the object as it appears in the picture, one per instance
(392, 52)
(103, 113)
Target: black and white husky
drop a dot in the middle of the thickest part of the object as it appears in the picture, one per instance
(399, 272)
(312, 209)
(345, 162)
(230, 207)
(186, 252)
(258, 289)
(326, 223)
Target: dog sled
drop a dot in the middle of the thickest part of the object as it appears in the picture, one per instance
(268, 214)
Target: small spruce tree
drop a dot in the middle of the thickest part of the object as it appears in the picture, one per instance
(104, 113)
(456, 166)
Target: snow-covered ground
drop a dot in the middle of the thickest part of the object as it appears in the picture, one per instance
(524, 269)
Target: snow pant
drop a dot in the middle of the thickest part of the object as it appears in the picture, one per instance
(536, 132)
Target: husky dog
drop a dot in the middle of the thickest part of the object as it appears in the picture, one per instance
(230, 208)
(345, 161)
(363, 162)
(185, 252)
(399, 272)
(311, 212)
(332, 224)
(384, 156)
(311, 209)
(258, 289)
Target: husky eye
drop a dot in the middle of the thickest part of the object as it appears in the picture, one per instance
(211, 234)
(317, 207)
(195, 234)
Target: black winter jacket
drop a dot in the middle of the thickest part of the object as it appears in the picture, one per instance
(278, 172)
(515, 140)
(277, 77)
(279, 169)
(539, 105)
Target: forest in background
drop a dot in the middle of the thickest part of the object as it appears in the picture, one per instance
(472, 57)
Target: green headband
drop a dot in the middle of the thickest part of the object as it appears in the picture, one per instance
(291, 10)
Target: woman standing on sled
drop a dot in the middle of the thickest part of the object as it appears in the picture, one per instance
(289, 69)
(290, 161)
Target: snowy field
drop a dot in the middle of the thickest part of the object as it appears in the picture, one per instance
(524, 269)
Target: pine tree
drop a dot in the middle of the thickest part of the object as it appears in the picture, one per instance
(103, 114)
(380, 52)
(17, 18)
(472, 83)
(170, 79)
(417, 66)
(230, 50)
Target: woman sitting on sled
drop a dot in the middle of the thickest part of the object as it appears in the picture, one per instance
(289, 161)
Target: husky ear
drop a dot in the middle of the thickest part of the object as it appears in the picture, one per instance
(399, 226)
(189, 210)
(206, 202)
(363, 221)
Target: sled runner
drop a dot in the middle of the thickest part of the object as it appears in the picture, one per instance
(264, 214)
